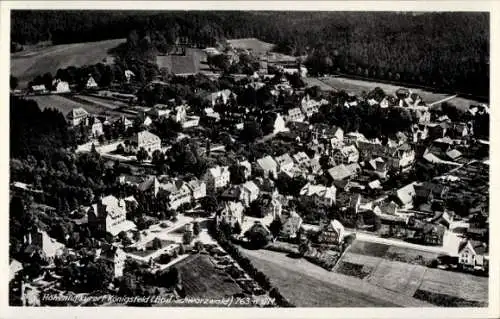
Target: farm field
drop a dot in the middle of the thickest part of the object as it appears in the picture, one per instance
(178, 64)
(200, 278)
(407, 275)
(308, 285)
(66, 104)
(253, 44)
(358, 86)
(26, 65)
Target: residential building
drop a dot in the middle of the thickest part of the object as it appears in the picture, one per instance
(14, 267)
(220, 97)
(291, 224)
(309, 106)
(249, 192)
(247, 168)
(402, 157)
(76, 116)
(343, 172)
(294, 115)
(377, 167)
(322, 195)
(109, 215)
(96, 127)
(91, 83)
(231, 213)
(332, 233)
(39, 89)
(40, 240)
(216, 178)
(198, 188)
(146, 140)
(279, 124)
(272, 206)
(473, 254)
(178, 192)
(302, 160)
(346, 155)
(61, 86)
(406, 195)
(268, 166)
(115, 257)
(285, 162)
(353, 138)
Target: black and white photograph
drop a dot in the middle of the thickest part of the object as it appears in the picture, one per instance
(248, 158)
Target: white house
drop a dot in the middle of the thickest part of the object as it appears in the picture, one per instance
(61, 86)
(91, 83)
(217, 177)
(48, 245)
(474, 255)
(247, 168)
(279, 124)
(146, 140)
(249, 192)
(346, 155)
(109, 215)
(198, 188)
(178, 193)
(291, 224)
(322, 195)
(268, 166)
(294, 115)
(285, 162)
(76, 116)
(232, 213)
(115, 257)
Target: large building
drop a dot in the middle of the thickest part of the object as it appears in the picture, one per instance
(146, 140)
(109, 215)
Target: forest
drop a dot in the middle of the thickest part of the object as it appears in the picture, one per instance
(446, 50)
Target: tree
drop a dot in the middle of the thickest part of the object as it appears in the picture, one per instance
(198, 245)
(237, 174)
(304, 247)
(120, 149)
(237, 228)
(196, 228)
(142, 155)
(258, 236)
(157, 243)
(187, 237)
(13, 82)
(276, 227)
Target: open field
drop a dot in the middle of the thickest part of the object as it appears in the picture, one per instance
(26, 65)
(308, 285)
(405, 276)
(253, 44)
(178, 64)
(66, 104)
(200, 278)
(358, 86)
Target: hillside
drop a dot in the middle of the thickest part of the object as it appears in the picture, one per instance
(26, 65)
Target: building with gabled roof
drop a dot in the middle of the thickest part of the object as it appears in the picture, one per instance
(291, 224)
(268, 166)
(332, 233)
(76, 116)
(144, 139)
(473, 254)
(109, 215)
(216, 178)
(115, 257)
(231, 213)
(322, 195)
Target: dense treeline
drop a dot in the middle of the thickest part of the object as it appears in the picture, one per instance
(445, 50)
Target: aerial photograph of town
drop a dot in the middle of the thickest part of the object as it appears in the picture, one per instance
(259, 159)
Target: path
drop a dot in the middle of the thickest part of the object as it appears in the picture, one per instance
(443, 100)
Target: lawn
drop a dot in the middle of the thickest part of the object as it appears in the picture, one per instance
(369, 249)
(403, 270)
(307, 285)
(179, 64)
(397, 276)
(253, 44)
(26, 65)
(200, 278)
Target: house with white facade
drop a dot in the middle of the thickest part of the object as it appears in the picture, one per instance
(216, 178)
(109, 215)
(232, 213)
(322, 195)
(145, 139)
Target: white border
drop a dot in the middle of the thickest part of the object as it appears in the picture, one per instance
(491, 312)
